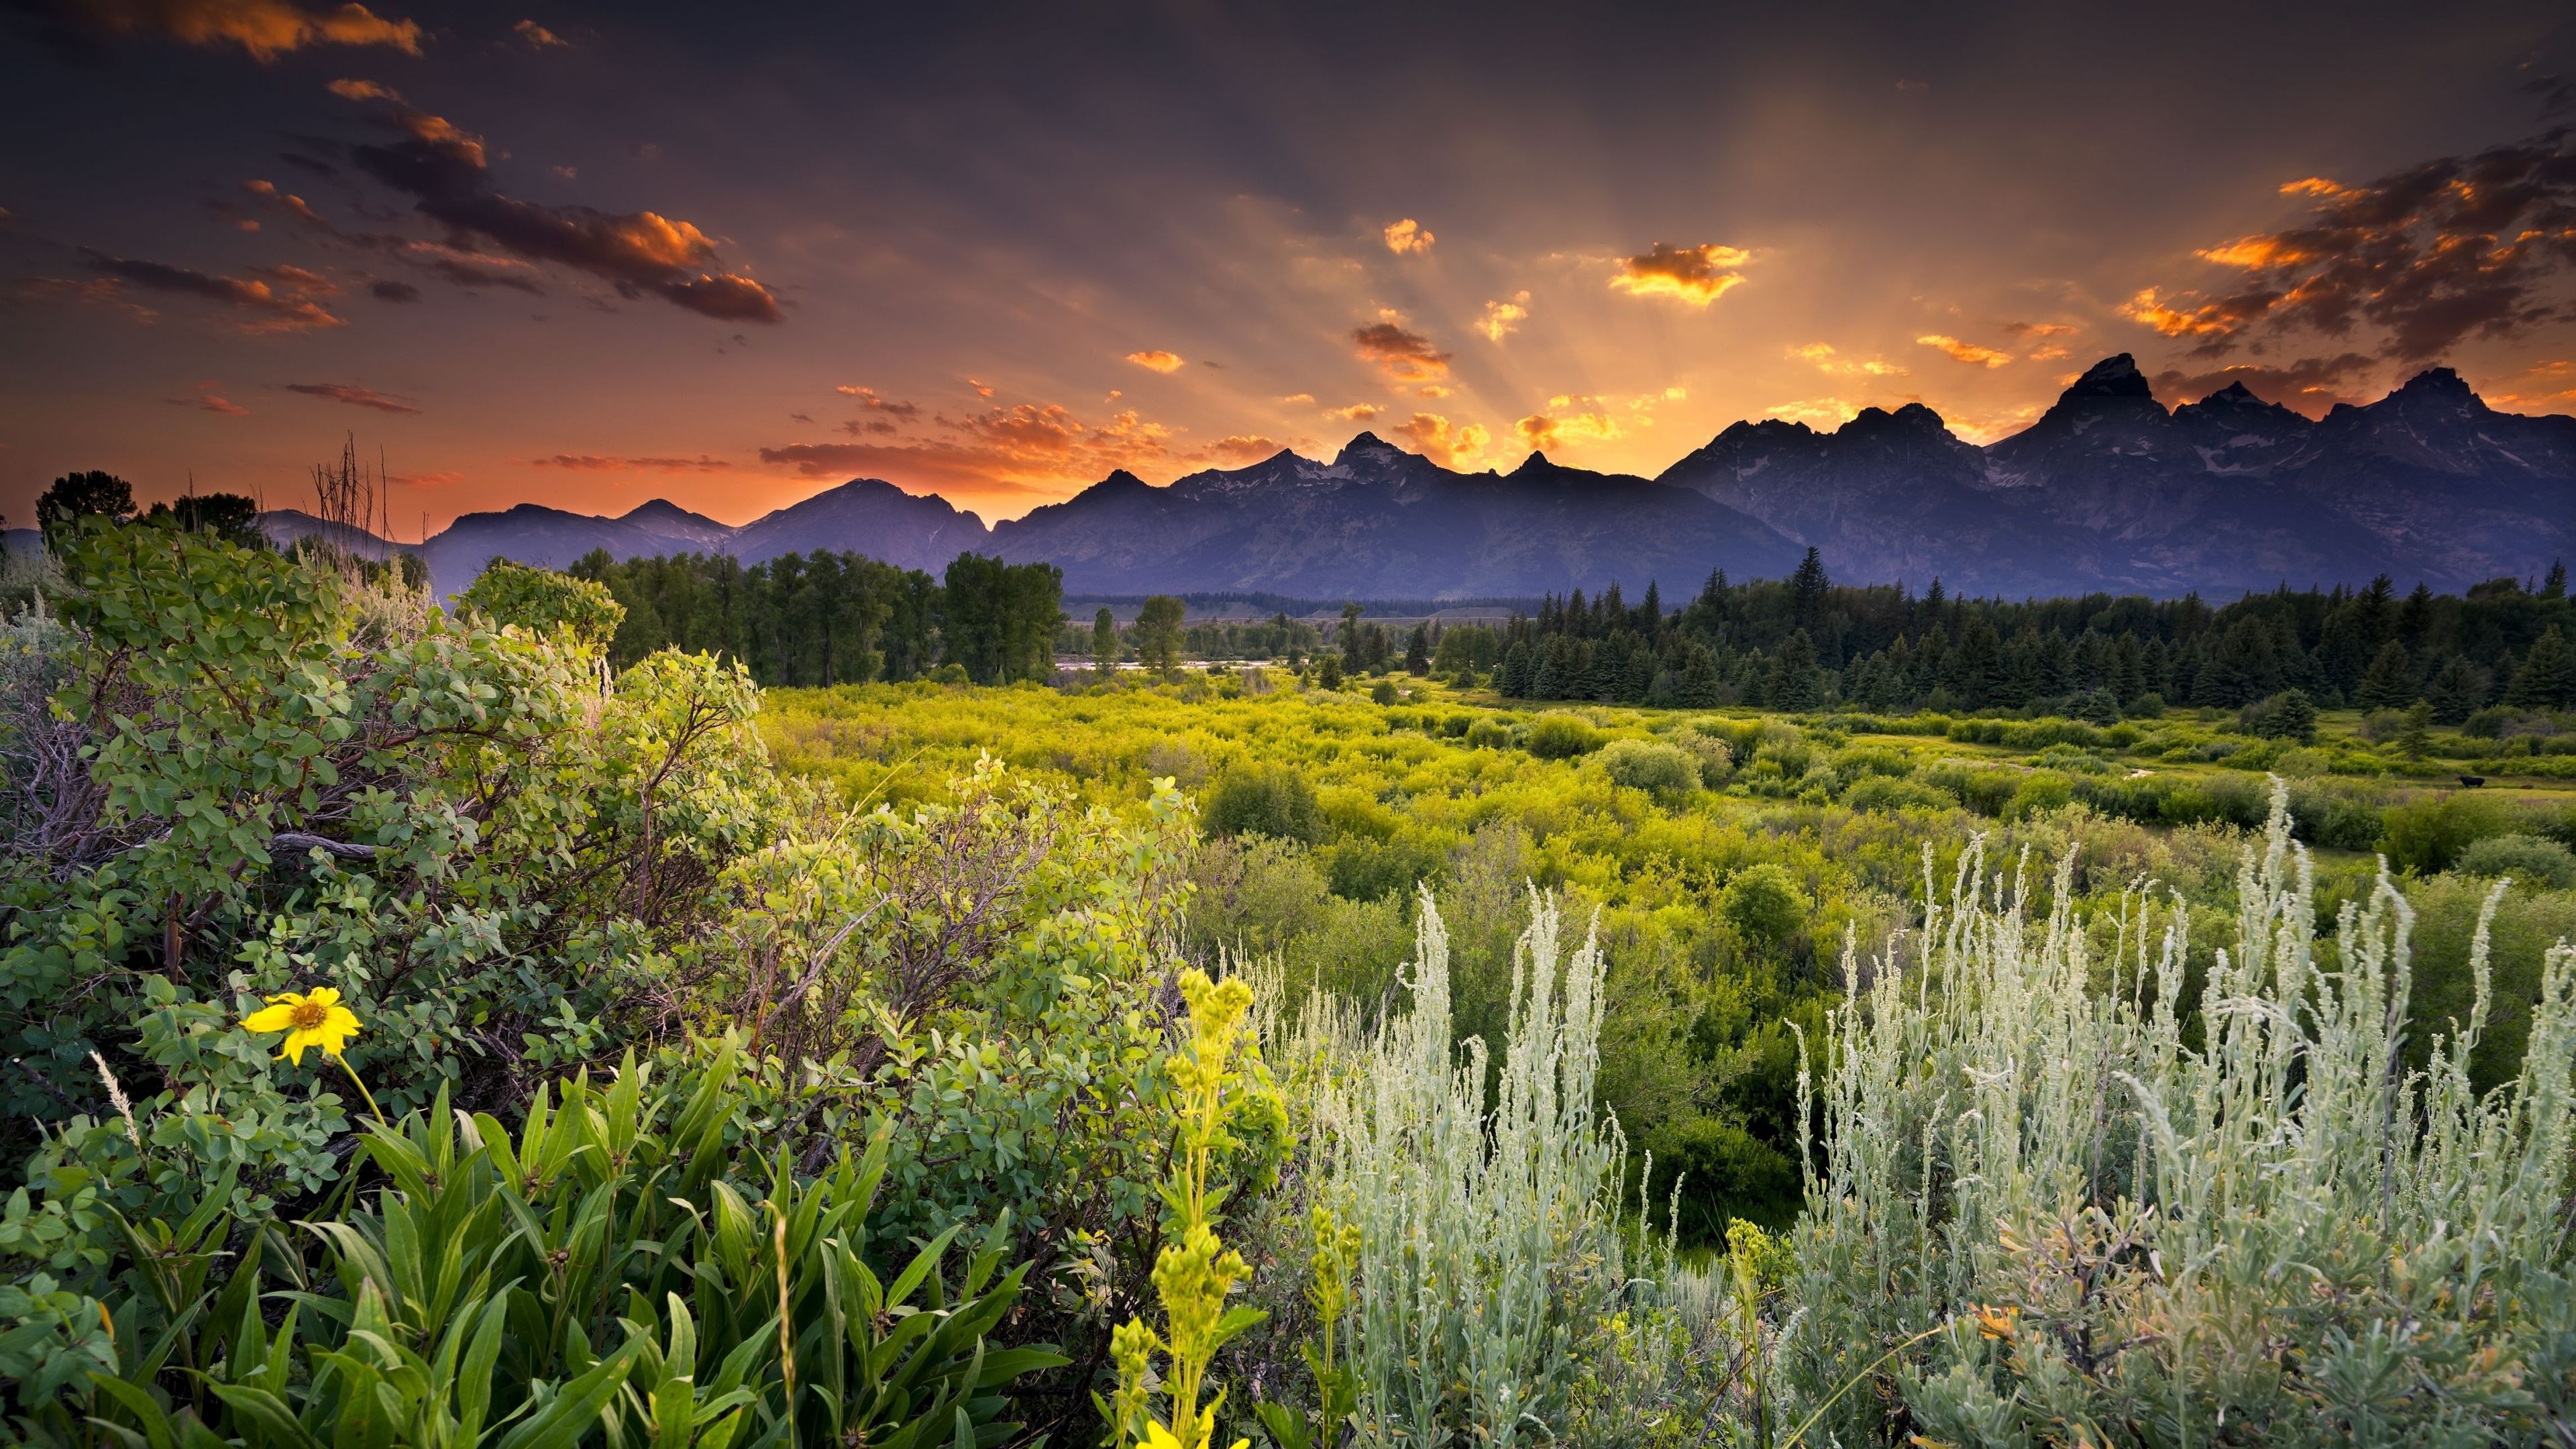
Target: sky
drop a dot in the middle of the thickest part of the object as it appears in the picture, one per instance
(589, 255)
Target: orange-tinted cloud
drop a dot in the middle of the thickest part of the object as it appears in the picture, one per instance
(1501, 319)
(1013, 452)
(1298, 397)
(356, 397)
(1407, 236)
(1435, 438)
(288, 303)
(1355, 413)
(2311, 385)
(594, 463)
(1547, 430)
(1405, 357)
(1155, 359)
(286, 204)
(1240, 449)
(444, 170)
(1697, 275)
(266, 29)
(866, 397)
(1825, 360)
(1967, 352)
(1822, 412)
(2220, 319)
(211, 401)
(537, 36)
(2027, 330)
(2451, 248)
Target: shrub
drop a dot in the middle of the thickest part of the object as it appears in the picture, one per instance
(2036, 1206)
(1659, 769)
(1763, 905)
(1488, 1237)
(1886, 793)
(2428, 835)
(542, 601)
(1560, 735)
(2541, 864)
(1489, 734)
(1276, 802)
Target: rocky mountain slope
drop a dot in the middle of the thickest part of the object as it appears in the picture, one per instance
(2108, 491)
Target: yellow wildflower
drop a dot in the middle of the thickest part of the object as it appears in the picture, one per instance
(309, 1019)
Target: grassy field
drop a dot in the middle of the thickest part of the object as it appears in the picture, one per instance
(1728, 854)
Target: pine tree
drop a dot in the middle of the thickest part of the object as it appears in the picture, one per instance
(1793, 685)
(2244, 667)
(2547, 678)
(2389, 682)
(1807, 591)
(1417, 650)
(2455, 691)
(2555, 586)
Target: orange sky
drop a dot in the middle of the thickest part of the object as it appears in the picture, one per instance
(596, 256)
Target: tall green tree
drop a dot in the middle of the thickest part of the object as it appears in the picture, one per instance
(1158, 632)
(2547, 678)
(2389, 682)
(1104, 641)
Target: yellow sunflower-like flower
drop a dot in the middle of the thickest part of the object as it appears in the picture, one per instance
(310, 1019)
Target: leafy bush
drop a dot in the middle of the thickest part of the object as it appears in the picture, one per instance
(1559, 735)
(1276, 802)
(2544, 864)
(1763, 905)
(543, 601)
(1656, 768)
(2428, 835)
(240, 795)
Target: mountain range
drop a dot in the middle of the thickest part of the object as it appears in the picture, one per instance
(2107, 492)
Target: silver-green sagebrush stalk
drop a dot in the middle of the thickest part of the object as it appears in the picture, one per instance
(2255, 1223)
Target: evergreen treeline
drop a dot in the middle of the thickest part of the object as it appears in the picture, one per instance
(1805, 642)
(824, 618)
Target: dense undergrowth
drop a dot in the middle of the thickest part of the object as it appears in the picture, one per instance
(1219, 1057)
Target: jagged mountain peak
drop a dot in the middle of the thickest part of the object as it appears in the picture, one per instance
(2112, 377)
(1364, 442)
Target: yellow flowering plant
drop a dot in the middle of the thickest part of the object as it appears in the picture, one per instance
(1192, 1276)
(312, 1019)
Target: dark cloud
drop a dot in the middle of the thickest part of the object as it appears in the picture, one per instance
(265, 29)
(2456, 247)
(356, 397)
(392, 291)
(445, 171)
(2312, 385)
(1404, 356)
(1697, 275)
(281, 300)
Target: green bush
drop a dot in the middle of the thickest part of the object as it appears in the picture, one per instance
(1276, 802)
(1659, 769)
(1763, 905)
(2541, 864)
(1558, 735)
(543, 601)
(1489, 734)
(2428, 835)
